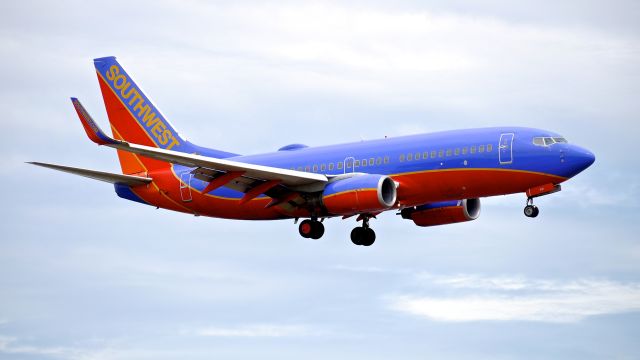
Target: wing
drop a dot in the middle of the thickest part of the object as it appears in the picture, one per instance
(272, 175)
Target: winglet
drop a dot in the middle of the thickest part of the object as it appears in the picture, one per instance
(93, 130)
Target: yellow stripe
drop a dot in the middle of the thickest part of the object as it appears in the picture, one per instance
(479, 169)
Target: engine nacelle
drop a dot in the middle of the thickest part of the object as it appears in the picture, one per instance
(358, 194)
(448, 212)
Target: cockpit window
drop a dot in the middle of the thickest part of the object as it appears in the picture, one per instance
(548, 141)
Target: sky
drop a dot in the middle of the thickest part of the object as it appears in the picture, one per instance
(86, 275)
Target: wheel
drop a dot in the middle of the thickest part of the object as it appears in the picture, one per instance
(529, 211)
(369, 237)
(536, 211)
(357, 235)
(317, 230)
(306, 228)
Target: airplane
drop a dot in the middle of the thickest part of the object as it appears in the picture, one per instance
(431, 179)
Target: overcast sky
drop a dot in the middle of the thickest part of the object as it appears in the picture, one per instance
(86, 275)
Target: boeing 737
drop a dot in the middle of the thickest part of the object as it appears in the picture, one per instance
(430, 179)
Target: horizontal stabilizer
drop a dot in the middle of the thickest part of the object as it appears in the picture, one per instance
(98, 175)
(291, 178)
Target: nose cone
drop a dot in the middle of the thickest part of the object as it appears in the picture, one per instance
(577, 159)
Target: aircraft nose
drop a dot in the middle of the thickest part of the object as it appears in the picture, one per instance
(578, 159)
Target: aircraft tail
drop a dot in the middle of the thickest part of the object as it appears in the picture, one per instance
(135, 119)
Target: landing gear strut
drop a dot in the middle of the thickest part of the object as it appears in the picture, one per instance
(363, 235)
(531, 210)
(311, 229)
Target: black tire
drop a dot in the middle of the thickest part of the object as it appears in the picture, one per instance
(536, 211)
(317, 230)
(369, 237)
(529, 211)
(306, 228)
(357, 235)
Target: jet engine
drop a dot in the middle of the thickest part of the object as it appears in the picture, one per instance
(359, 194)
(441, 213)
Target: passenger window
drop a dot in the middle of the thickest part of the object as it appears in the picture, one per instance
(364, 162)
(425, 155)
(315, 168)
(409, 156)
(489, 148)
(417, 157)
(448, 152)
(299, 168)
(379, 161)
(339, 165)
(386, 159)
(481, 148)
(473, 150)
(307, 168)
(441, 153)
(356, 163)
(464, 150)
(372, 161)
(401, 157)
(433, 154)
(330, 166)
(323, 167)
(457, 151)
(349, 164)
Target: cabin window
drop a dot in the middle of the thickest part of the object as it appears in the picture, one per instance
(548, 141)
(417, 156)
(379, 161)
(307, 168)
(339, 165)
(364, 162)
(425, 155)
(473, 150)
(489, 148)
(349, 164)
(356, 163)
(330, 166)
(441, 153)
(315, 168)
(448, 152)
(481, 148)
(457, 151)
(323, 167)
(538, 141)
(386, 159)
(433, 154)
(560, 140)
(464, 150)
(299, 168)
(409, 156)
(371, 161)
(401, 157)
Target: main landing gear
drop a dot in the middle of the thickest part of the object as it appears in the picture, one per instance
(311, 229)
(531, 210)
(363, 235)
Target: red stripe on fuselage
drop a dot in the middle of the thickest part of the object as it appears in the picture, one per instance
(415, 189)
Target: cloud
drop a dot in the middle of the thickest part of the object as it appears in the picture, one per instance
(257, 330)
(478, 298)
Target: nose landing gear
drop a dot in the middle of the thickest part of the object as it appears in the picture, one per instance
(531, 210)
